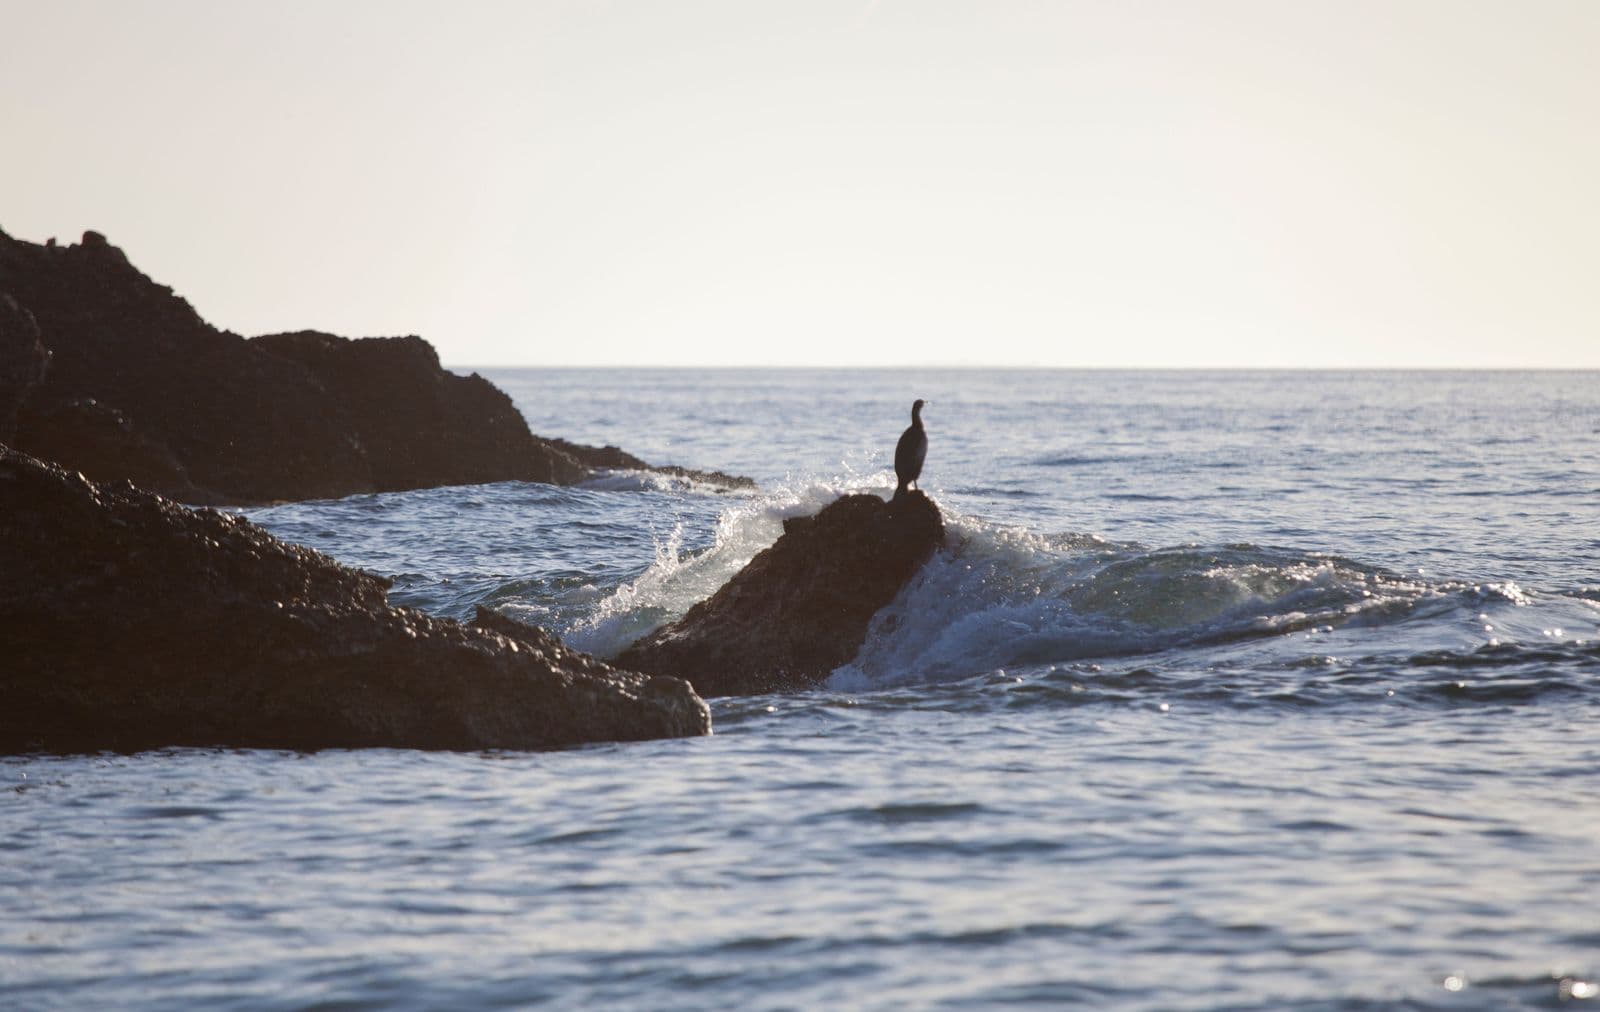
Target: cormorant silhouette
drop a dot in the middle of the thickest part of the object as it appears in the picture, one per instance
(910, 452)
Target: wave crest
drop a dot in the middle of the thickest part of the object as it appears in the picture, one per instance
(998, 597)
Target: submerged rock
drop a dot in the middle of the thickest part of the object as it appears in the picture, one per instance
(801, 607)
(207, 416)
(128, 621)
(610, 458)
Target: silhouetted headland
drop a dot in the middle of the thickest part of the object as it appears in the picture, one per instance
(138, 386)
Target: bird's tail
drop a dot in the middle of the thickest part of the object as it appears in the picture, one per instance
(898, 492)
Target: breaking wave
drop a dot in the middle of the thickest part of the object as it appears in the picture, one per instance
(629, 480)
(996, 596)
(680, 577)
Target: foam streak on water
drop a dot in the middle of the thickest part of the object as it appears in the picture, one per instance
(1243, 690)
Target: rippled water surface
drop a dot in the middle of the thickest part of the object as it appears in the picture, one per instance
(1226, 690)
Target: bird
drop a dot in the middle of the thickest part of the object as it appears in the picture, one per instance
(910, 451)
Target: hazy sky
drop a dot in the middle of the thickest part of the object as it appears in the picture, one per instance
(1117, 183)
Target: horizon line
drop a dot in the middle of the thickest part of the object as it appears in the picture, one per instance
(1009, 367)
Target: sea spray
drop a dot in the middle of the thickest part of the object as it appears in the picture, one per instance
(678, 578)
(1001, 597)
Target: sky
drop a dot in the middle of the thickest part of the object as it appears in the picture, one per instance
(1192, 183)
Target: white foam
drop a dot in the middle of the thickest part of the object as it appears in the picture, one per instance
(997, 597)
(627, 480)
(677, 579)
(992, 597)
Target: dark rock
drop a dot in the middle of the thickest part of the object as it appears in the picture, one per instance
(128, 621)
(99, 439)
(288, 416)
(800, 608)
(413, 417)
(23, 361)
(541, 640)
(247, 426)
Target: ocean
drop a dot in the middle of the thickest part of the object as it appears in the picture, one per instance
(1227, 690)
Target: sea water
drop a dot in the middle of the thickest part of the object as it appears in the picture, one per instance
(1250, 690)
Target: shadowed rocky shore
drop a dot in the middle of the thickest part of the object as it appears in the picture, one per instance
(106, 372)
(128, 622)
(801, 607)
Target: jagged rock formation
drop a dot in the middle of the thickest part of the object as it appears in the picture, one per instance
(140, 387)
(128, 621)
(801, 607)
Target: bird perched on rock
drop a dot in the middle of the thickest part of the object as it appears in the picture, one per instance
(910, 451)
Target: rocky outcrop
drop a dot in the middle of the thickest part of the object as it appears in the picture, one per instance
(801, 607)
(410, 416)
(128, 621)
(140, 387)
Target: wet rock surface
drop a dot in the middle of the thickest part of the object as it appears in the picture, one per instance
(129, 622)
(140, 387)
(801, 607)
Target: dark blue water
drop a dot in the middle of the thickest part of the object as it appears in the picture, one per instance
(1227, 690)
